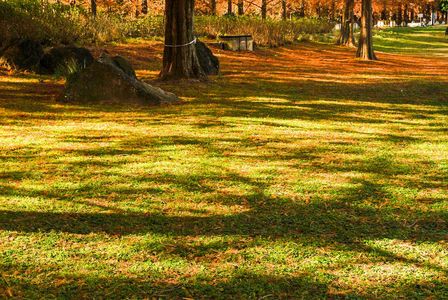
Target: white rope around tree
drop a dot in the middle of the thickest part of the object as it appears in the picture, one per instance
(184, 45)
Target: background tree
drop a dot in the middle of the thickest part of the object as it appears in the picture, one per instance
(179, 56)
(284, 13)
(346, 36)
(240, 7)
(93, 7)
(264, 9)
(213, 7)
(365, 46)
(144, 7)
(443, 7)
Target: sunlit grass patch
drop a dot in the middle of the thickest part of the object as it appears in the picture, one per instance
(317, 182)
(426, 41)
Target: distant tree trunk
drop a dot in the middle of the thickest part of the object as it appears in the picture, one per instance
(284, 13)
(137, 9)
(346, 37)
(264, 8)
(229, 7)
(302, 9)
(240, 7)
(93, 7)
(332, 9)
(213, 7)
(365, 45)
(399, 14)
(179, 57)
(384, 11)
(406, 14)
(144, 7)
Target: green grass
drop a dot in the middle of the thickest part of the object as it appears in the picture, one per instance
(308, 174)
(429, 41)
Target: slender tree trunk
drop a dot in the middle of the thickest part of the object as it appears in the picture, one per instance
(229, 7)
(240, 7)
(284, 13)
(365, 45)
(93, 7)
(264, 8)
(346, 37)
(213, 7)
(179, 57)
(384, 11)
(144, 7)
(406, 14)
(333, 9)
(302, 9)
(137, 8)
(399, 14)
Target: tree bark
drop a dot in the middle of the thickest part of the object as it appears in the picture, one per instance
(144, 7)
(264, 8)
(93, 7)
(365, 45)
(346, 37)
(240, 7)
(179, 57)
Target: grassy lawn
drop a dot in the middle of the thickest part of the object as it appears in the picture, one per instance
(301, 172)
(428, 41)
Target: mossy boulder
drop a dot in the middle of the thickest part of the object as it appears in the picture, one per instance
(105, 81)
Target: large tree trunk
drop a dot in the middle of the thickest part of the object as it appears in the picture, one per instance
(346, 37)
(264, 8)
(365, 46)
(93, 7)
(240, 7)
(179, 57)
(144, 7)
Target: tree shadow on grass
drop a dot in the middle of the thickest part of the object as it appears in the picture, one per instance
(347, 218)
(242, 285)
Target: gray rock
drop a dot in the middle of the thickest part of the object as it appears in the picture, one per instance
(208, 61)
(106, 81)
(118, 61)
